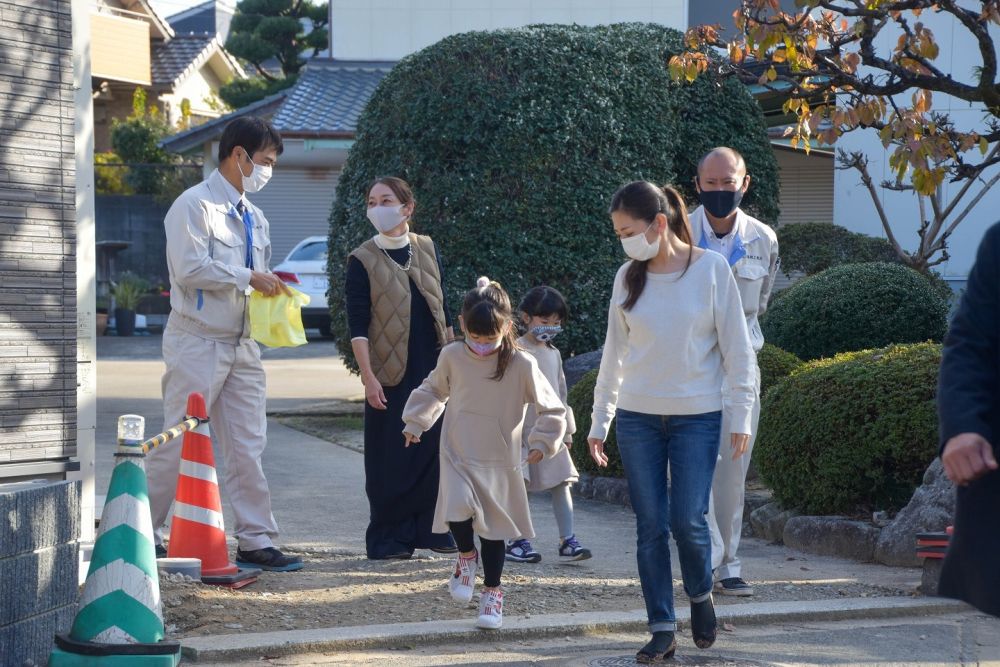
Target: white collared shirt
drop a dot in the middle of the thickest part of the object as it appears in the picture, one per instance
(724, 245)
(232, 194)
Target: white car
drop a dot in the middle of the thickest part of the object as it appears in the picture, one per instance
(305, 270)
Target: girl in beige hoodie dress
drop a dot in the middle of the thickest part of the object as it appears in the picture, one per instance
(488, 384)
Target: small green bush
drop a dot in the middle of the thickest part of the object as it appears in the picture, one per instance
(514, 142)
(581, 399)
(856, 307)
(775, 364)
(129, 290)
(853, 433)
(812, 247)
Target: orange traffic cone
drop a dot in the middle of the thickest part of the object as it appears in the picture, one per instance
(197, 529)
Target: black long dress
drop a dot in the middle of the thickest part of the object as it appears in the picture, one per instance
(401, 482)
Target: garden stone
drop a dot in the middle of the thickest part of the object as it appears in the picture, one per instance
(578, 366)
(930, 510)
(832, 536)
(608, 489)
(751, 501)
(768, 521)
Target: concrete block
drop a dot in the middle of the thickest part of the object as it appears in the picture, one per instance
(38, 514)
(29, 642)
(38, 582)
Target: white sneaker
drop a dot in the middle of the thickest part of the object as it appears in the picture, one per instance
(462, 583)
(490, 609)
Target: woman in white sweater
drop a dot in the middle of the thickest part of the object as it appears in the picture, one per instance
(677, 354)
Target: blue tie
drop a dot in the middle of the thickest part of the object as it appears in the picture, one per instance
(248, 227)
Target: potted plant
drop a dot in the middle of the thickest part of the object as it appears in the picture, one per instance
(102, 315)
(128, 291)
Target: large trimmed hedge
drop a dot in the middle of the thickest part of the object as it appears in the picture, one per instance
(514, 141)
(581, 400)
(856, 307)
(852, 433)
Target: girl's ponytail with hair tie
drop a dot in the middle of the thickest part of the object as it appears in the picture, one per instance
(483, 282)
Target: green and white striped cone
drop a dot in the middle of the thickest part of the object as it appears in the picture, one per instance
(121, 597)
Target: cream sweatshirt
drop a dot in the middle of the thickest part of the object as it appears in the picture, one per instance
(682, 349)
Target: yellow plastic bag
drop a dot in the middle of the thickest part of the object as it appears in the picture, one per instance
(276, 321)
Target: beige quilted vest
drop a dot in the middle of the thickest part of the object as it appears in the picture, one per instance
(389, 331)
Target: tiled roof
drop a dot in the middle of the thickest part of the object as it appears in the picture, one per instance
(329, 96)
(170, 59)
(185, 141)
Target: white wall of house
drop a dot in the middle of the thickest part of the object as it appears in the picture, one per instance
(854, 207)
(362, 30)
(199, 87)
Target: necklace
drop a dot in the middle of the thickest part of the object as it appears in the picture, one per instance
(409, 258)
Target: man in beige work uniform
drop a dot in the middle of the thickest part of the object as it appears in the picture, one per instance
(218, 250)
(751, 248)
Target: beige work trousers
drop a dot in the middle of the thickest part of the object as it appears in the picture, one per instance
(231, 378)
(725, 504)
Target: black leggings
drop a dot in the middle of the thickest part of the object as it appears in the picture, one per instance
(491, 553)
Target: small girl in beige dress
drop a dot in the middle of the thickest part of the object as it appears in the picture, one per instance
(543, 311)
(487, 383)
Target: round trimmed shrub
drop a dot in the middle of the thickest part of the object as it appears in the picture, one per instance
(775, 364)
(811, 247)
(856, 307)
(515, 140)
(581, 399)
(852, 433)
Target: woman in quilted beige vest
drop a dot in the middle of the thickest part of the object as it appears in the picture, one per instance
(398, 322)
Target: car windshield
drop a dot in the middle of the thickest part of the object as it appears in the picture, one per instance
(309, 252)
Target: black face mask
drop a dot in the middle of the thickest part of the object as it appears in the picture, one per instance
(720, 203)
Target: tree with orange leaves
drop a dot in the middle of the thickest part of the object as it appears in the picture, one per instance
(828, 58)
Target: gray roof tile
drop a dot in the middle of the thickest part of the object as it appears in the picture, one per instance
(171, 58)
(329, 96)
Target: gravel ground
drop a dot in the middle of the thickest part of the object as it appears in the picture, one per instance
(341, 590)
(341, 587)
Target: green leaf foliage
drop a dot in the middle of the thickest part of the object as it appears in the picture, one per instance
(581, 400)
(515, 140)
(852, 433)
(855, 307)
(136, 141)
(812, 247)
(240, 92)
(265, 29)
(775, 364)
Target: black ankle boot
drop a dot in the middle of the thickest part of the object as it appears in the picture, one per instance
(703, 623)
(661, 647)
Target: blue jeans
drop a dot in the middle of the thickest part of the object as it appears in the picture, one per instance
(689, 445)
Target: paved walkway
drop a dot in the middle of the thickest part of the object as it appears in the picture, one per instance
(318, 487)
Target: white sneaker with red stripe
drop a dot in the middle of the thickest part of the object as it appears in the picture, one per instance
(463, 581)
(490, 609)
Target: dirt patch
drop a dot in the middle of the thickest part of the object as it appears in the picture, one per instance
(341, 429)
(343, 590)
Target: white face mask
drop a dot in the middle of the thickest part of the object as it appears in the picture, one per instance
(639, 249)
(259, 175)
(386, 218)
